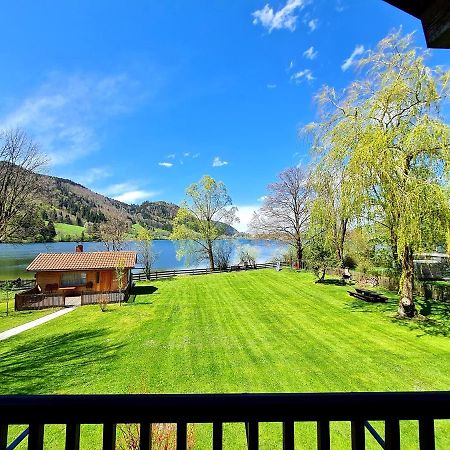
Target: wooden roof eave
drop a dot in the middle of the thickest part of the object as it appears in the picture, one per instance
(435, 18)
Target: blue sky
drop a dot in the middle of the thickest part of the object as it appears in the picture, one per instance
(137, 100)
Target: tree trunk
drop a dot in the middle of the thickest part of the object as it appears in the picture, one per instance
(210, 256)
(322, 276)
(393, 239)
(340, 241)
(299, 253)
(406, 307)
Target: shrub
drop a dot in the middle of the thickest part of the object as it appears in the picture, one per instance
(349, 261)
(164, 436)
(103, 302)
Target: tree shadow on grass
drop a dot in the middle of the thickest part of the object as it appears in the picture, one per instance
(48, 364)
(433, 318)
(334, 281)
(143, 290)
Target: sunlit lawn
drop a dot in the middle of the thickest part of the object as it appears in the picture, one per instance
(13, 318)
(256, 331)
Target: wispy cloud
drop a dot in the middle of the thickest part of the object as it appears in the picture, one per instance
(305, 74)
(128, 192)
(217, 162)
(310, 53)
(165, 164)
(92, 175)
(135, 196)
(271, 86)
(340, 6)
(66, 115)
(359, 50)
(195, 155)
(284, 18)
(262, 198)
(171, 156)
(313, 24)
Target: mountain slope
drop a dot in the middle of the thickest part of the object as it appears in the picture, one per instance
(64, 201)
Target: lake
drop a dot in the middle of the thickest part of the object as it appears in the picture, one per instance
(14, 258)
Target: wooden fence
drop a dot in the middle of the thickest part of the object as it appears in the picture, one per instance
(92, 298)
(17, 284)
(161, 274)
(32, 299)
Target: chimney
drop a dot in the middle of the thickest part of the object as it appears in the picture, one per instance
(79, 248)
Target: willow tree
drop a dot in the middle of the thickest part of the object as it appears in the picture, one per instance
(203, 217)
(285, 211)
(331, 208)
(387, 131)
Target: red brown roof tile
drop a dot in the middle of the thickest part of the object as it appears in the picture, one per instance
(46, 262)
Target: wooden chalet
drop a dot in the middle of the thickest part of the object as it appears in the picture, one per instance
(66, 279)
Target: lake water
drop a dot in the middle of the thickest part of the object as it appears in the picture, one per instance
(14, 258)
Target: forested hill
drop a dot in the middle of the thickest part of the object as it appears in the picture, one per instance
(62, 201)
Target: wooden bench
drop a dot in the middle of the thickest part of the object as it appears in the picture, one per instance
(368, 296)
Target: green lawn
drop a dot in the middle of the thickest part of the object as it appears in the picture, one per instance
(256, 331)
(16, 318)
(66, 230)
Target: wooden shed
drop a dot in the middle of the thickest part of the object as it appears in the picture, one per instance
(71, 273)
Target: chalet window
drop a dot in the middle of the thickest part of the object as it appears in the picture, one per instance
(97, 277)
(73, 279)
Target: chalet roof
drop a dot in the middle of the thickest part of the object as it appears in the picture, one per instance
(46, 262)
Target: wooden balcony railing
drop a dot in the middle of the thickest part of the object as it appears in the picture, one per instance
(250, 409)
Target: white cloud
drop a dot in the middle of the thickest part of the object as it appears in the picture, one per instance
(283, 18)
(271, 86)
(171, 156)
(359, 50)
(90, 176)
(186, 154)
(245, 215)
(310, 53)
(128, 192)
(66, 114)
(165, 164)
(262, 198)
(217, 162)
(313, 24)
(134, 196)
(305, 74)
(196, 155)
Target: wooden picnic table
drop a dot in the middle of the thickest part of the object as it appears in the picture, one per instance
(368, 296)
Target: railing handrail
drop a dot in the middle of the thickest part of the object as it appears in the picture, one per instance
(207, 408)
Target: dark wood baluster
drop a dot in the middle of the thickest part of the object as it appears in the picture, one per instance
(426, 434)
(253, 436)
(392, 434)
(217, 436)
(3, 436)
(323, 435)
(181, 436)
(358, 435)
(145, 436)
(36, 436)
(288, 435)
(109, 436)
(72, 436)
